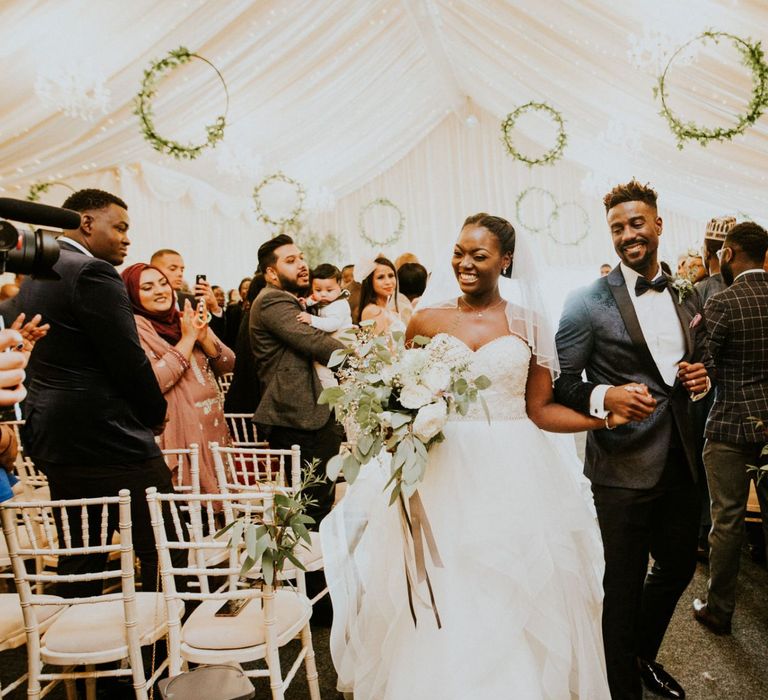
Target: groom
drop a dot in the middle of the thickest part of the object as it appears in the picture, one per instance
(628, 328)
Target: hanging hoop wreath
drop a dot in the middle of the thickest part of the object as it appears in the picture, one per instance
(555, 215)
(293, 217)
(754, 59)
(554, 153)
(143, 107)
(394, 236)
(519, 206)
(39, 188)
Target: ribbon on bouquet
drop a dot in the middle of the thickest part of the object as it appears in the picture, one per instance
(417, 528)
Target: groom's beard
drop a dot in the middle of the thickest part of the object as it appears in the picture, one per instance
(292, 286)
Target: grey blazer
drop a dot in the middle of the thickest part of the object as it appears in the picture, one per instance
(599, 334)
(284, 350)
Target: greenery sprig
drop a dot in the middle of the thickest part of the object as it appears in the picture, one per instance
(554, 153)
(292, 219)
(274, 538)
(753, 58)
(519, 206)
(394, 236)
(40, 188)
(143, 107)
(555, 215)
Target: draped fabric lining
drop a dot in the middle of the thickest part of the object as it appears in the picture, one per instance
(371, 98)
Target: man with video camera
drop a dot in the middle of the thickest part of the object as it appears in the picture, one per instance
(94, 405)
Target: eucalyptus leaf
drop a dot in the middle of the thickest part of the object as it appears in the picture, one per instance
(395, 493)
(268, 567)
(399, 419)
(364, 443)
(482, 382)
(331, 395)
(337, 358)
(461, 385)
(333, 466)
(351, 468)
(421, 340)
(248, 564)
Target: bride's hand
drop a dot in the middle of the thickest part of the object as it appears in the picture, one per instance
(615, 419)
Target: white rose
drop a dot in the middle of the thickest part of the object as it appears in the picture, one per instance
(430, 420)
(385, 418)
(415, 396)
(437, 377)
(413, 361)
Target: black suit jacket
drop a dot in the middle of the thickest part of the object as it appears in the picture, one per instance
(93, 397)
(737, 336)
(599, 334)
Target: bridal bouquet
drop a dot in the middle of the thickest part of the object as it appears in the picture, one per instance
(398, 399)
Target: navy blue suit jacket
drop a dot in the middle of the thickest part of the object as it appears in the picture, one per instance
(600, 335)
(93, 398)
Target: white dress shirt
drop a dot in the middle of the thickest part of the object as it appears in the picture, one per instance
(75, 244)
(661, 329)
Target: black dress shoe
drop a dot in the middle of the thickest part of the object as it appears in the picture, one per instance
(658, 681)
(704, 615)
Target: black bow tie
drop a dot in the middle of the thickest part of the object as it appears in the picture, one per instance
(643, 285)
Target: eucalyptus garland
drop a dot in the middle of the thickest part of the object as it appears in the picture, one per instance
(519, 205)
(394, 236)
(39, 188)
(554, 153)
(555, 215)
(754, 59)
(293, 217)
(143, 107)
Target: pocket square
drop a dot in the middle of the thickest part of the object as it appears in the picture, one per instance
(695, 321)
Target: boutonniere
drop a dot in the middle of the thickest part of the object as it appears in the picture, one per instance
(683, 287)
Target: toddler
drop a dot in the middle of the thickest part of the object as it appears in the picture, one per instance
(333, 312)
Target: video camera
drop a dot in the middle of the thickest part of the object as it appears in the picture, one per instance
(33, 252)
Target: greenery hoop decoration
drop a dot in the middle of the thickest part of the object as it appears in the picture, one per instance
(556, 215)
(143, 107)
(519, 205)
(754, 59)
(394, 236)
(293, 218)
(39, 188)
(554, 153)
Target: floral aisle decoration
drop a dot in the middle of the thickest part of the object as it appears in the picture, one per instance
(39, 188)
(292, 218)
(753, 58)
(554, 153)
(275, 536)
(388, 240)
(394, 402)
(556, 211)
(143, 107)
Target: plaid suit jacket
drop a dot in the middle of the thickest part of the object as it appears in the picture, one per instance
(737, 335)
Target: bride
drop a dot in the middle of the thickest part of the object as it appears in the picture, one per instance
(519, 593)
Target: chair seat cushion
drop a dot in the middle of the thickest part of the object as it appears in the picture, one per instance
(12, 621)
(203, 630)
(100, 627)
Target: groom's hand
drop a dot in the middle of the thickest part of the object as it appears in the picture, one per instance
(630, 401)
(693, 376)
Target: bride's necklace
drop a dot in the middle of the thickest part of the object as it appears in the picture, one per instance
(477, 311)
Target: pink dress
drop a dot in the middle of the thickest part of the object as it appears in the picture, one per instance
(195, 408)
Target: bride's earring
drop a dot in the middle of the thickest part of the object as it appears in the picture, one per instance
(504, 271)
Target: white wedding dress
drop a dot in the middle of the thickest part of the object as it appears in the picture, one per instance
(519, 595)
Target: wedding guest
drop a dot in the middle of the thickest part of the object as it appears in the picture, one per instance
(412, 279)
(331, 312)
(605, 269)
(694, 267)
(283, 351)
(244, 391)
(347, 275)
(714, 235)
(171, 264)
(737, 335)
(380, 300)
(632, 327)
(94, 405)
(186, 357)
(218, 292)
(235, 312)
(404, 258)
(682, 261)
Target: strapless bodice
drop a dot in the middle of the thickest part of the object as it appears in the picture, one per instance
(505, 362)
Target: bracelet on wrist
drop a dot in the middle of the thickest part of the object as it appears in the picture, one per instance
(608, 426)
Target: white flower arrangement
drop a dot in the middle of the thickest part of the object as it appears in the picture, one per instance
(396, 399)
(684, 288)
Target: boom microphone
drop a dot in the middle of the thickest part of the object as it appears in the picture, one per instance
(40, 214)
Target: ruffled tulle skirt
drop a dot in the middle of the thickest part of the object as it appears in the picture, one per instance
(519, 593)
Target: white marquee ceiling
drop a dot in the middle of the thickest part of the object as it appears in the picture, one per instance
(336, 93)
